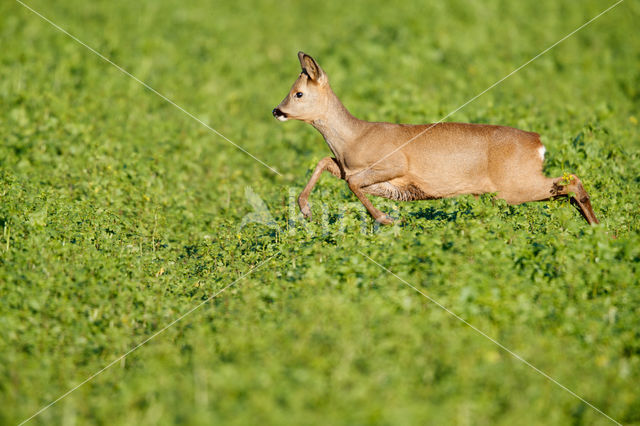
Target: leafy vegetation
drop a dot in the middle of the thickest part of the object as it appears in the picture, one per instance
(119, 213)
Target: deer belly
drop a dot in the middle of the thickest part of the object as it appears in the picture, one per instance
(403, 192)
(420, 189)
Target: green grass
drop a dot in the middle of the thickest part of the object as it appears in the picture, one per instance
(119, 213)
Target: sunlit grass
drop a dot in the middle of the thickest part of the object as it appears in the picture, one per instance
(119, 213)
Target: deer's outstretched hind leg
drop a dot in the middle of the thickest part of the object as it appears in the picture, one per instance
(545, 188)
(572, 186)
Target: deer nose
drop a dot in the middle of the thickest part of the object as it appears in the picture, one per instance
(277, 113)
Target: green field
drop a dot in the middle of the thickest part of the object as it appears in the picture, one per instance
(119, 213)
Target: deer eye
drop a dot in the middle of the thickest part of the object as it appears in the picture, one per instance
(299, 95)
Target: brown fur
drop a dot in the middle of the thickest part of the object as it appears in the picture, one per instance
(418, 162)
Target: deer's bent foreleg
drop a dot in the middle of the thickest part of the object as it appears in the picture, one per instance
(326, 164)
(360, 180)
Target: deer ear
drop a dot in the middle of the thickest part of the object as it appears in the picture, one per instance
(311, 68)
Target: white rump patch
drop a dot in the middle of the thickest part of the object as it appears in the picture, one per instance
(541, 152)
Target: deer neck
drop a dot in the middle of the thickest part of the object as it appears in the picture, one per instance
(338, 127)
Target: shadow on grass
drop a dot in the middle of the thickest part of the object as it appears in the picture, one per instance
(431, 213)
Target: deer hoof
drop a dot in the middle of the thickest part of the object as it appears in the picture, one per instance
(385, 219)
(306, 211)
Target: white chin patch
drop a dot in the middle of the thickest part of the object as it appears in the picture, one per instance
(282, 118)
(541, 152)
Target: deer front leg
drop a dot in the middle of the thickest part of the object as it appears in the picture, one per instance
(368, 177)
(327, 163)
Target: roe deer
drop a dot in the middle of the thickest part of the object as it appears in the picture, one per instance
(420, 162)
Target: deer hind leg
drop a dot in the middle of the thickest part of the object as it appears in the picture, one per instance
(545, 188)
(327, 163)
(571, 186)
